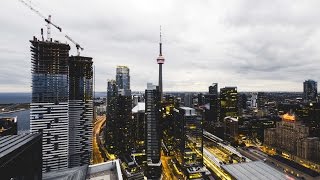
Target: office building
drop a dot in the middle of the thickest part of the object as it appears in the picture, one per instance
(212, 100)
(153, 130)
(310, 90)
(188, 142)
(21, 156)
(262, 100)
(119, 114)
(309, 148)
(111, 124)
(80, 110)
(292, 137)
(123, 80)
(139, 125)
(123, 138)
(231, 129)
(200, 100)
(228, 102)
(50, 101)
(213, 89)
(242, 103)
(188, 99)
(286, 134)
(253, 100)
(167, 124)
(124, 111)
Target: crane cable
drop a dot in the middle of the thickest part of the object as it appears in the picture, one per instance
(49, 22)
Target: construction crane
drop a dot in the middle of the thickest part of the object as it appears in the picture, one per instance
(49, 22)
(77, 45)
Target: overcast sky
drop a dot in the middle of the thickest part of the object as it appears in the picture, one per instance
(254, 45)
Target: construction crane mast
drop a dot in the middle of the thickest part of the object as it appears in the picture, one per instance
(49, 23)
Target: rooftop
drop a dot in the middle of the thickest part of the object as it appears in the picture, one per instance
(230, 118)
(11, 143)
(189, 111)
(108, 171)
(254, 170)
(76, 173)
(140, 107)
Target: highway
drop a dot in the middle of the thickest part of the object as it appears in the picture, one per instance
(97, 157)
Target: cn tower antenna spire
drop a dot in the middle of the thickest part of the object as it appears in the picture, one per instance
(160, 42)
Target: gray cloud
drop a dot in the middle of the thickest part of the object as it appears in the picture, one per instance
(255, 45)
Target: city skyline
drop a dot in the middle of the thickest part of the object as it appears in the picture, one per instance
(254, 46)
(237, 98)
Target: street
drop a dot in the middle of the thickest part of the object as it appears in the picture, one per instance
(97, 157)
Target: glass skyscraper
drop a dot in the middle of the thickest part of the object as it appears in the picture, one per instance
(123, 80)
(111, 126)
(119, 116)
(153, 132)
(228, 102)
(212, 99)
(310, 90)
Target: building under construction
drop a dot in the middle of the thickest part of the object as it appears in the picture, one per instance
(80, 110)
(49, 106)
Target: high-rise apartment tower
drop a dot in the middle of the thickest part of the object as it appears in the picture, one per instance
(80, 110)
(50, 96)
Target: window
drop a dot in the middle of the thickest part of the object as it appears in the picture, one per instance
(48, 169)
(56, 146)
(56, 137)
(56, 120)
(48, 126)
(48, 141)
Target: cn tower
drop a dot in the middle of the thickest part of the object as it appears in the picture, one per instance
(160, 61)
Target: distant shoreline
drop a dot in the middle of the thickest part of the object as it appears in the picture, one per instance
(8, 112)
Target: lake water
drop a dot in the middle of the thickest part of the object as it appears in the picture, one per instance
(23, 119)
(13, 98)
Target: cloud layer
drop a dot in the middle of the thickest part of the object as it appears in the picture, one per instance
(255, 45)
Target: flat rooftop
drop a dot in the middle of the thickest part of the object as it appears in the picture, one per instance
(254, 170)
(76, 173)
(140, 107)
(10, 143)
(109, 170)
